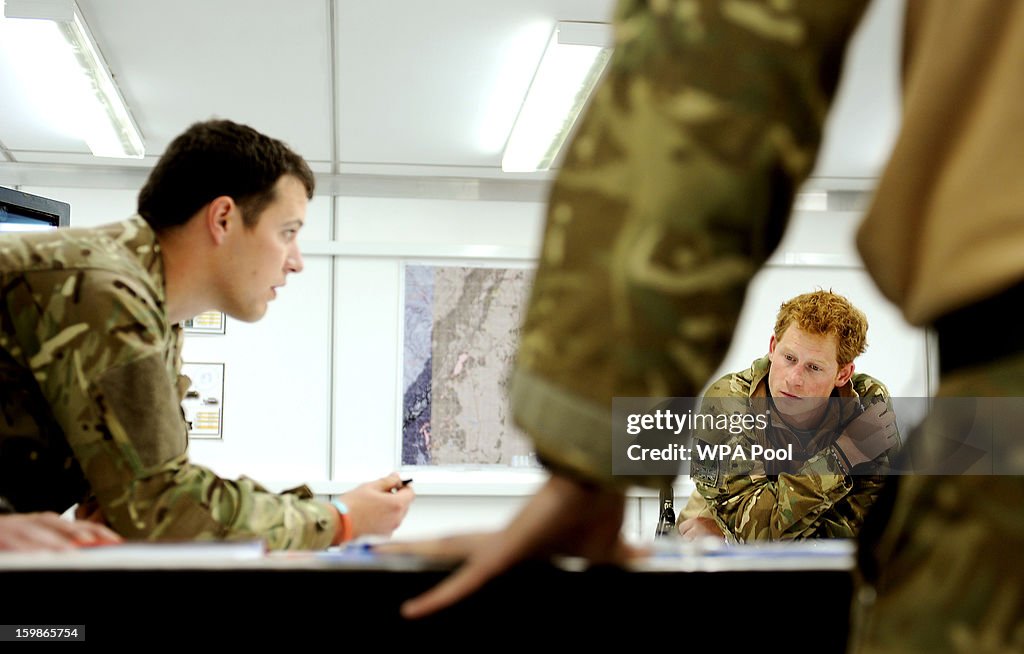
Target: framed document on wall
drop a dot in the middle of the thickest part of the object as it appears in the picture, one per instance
(208, 322)
(204, 400)
(461, 329)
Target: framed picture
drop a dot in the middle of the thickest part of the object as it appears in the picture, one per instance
(204, 400)
(461, 329)
(209, 322)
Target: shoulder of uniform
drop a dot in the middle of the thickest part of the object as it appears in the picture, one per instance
(740, 383)
(867, 386)
(726, 386)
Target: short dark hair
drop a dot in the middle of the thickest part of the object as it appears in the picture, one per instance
(215, 158)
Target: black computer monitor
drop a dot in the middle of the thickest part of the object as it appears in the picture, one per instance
(24, 212)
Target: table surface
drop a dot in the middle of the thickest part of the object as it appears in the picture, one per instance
(665, 556)
(683, 596)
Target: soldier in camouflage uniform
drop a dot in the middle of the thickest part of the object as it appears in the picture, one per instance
(90, 350)
(820, 493)
(675, 190)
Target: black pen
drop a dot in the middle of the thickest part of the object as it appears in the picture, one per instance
(402, 484)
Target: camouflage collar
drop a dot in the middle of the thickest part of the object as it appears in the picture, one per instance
(138, 237)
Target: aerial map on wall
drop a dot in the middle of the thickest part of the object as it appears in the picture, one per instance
(461, 331)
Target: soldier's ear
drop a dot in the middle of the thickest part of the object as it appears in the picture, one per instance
(217, 217)
(844, 374)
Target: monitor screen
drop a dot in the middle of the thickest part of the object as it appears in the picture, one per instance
(24, 212)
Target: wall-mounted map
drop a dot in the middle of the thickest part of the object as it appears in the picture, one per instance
(461, 331)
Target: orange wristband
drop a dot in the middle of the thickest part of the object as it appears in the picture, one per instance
(346, 520)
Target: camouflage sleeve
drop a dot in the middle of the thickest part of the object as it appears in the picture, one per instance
(105, 370)
(870, 391)
(846, 518)
(818, 500)
(674, 191)
(749, 507)
(695, 507)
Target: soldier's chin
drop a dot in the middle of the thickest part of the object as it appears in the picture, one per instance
(798, 407)
(792, 406)
(251, 314)
(785, 400)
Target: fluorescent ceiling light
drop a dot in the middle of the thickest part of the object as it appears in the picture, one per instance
(568, 72)
(59, 50)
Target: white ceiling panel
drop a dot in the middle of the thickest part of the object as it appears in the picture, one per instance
(415, 89)
(261, 62)
(440, 83)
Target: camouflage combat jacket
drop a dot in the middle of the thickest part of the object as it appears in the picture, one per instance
(807, 496)
(90, 397)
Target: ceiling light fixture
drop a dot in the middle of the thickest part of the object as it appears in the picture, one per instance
(572, 64)
(66, 54)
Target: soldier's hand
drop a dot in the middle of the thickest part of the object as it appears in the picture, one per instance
(378, 507)
(48, 531)
(694, 528)
(564, 517)
(869, 434)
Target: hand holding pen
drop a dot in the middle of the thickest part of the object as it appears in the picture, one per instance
(401, 485)
(378, 507)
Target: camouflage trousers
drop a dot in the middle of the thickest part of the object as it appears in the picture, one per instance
(950, 576)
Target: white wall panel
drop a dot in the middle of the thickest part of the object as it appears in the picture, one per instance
(276, 385)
